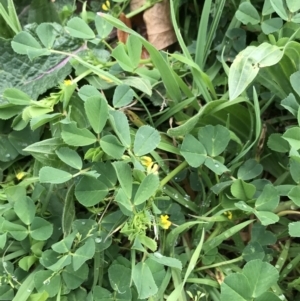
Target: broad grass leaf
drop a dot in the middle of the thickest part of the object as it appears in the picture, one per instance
(242, 190)
(236, 287)
(193, 151)
(124, 175)
(292, 136)
(143, 280)
(53, 175)
(90, 191)
(146, 189)
(77, 28)
(294, 229)
(119, 277)
(16, 97)
(120, 125)
(268, 200)
(249, 170)
(247, 14)
(83, 254)
(25, 210)
(261, 276)
(70, 157)
(112, 146)
(146, 140)
(123, 96)
(74, 136)
(214, 138)
(47, 34)
(96, 109)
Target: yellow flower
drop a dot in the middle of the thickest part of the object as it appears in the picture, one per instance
(20, 175)
(164, 222)
(67, 82)
(228, 214)
(106, 6)
(147, 161)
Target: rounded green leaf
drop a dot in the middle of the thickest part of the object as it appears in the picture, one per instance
(292, 136)
(277, 143)
(295, 169)
(83, 254)
(118, 277)
(53, 175)
(16, 97)
(123, 96)
(96, 110)
(74, 279)
(25, 43)
(268, 200)
(294, 229)
(47, 34)
(87, 91)
(271, 25)
(77, 28)
(103, 27)
(70, 157)
(90, 191)
(45, 281)
(120, 125)
(146, 140)
(261, 276)
(242, 190)
(193, 151)
(112, 146)
(293, 5)
(294, 195)
(295, 78)
(247, 14)
(280, 7)
(40, 229)
(249, 170)
(214, 138)
(267, 218)
(25, 210)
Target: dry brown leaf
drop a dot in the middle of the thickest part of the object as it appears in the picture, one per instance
(160, 30)
(122, 35)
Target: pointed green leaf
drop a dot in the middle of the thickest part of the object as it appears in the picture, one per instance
(83, 254)
(124, 175)
(52, 175)
(25, 210)
(96, 109)
(112, 146)
(123, 96)
(120, 125)
(70, 157)
(146, 140)
(74, 136)
(146, 189)
(16, 97)
(77, 28)
(143, 280)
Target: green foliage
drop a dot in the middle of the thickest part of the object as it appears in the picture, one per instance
(173, 177)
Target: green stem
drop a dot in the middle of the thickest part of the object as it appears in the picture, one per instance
(173, 173)
(240, 258)
(145, 6)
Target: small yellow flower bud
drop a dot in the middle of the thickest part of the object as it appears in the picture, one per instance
(164, 222)
(106, 6)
